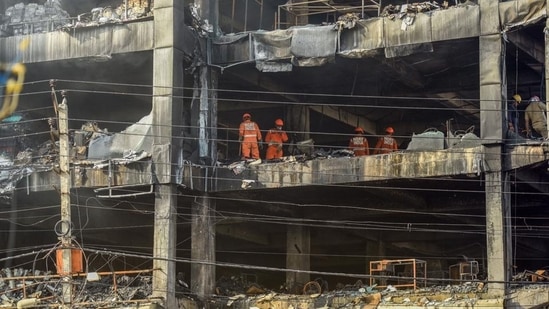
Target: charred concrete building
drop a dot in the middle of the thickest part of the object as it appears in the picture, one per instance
(155, 92)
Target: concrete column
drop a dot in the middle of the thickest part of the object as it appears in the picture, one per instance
(298, 250)
(203, 247)
(164, 244)
(11, 240)
(492, 93)
(298, 121)
(167, 109)
(204, 117)
(546, 66)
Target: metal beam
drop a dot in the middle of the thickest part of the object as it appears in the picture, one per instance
(346, 117)
(237, 231)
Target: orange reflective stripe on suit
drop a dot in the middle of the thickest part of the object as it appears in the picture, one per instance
(275, 139)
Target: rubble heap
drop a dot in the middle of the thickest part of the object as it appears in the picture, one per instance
(399, 11)
(23, 286)
(22, 19)
(101, 15)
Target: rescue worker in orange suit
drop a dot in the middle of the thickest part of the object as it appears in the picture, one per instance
(386, 143)
(250, 137)
(274, 139)
(359, 143)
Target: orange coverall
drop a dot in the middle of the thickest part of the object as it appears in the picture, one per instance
(359, 144)
(275, 138)
(249, 135)
(385, 144)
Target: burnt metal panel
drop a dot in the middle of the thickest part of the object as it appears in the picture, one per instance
(403, 32)
(272, 45)
(232, 48)
(313, 46)
(80, 42)
(521, 12)
(366, 39)
(456, 22)
(491, 104)
(405, 50)
(133, 37)
(272, 50)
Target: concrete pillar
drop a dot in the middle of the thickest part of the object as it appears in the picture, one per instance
(204, 117)
(203, 247)
(546, 66)
(492, 94)
(298, 121)
(298, 250)
(11, 240)
(164, 249)
(167, 106)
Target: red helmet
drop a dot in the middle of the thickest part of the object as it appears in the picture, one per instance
(389, 130)
(246, 115)
(279, 122)
(359, 130)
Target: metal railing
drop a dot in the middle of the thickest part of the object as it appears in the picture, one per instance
(296, 10)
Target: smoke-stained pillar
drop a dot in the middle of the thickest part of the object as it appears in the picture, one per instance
(203, 247)
(167, 107)
(204, 117)
(546, 62)
(492, 98)
(298, 121)
(298, 254)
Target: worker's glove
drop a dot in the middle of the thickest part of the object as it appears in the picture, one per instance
(260, 144)
(279, 146)
(240, 138)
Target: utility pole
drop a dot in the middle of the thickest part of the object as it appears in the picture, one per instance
(65, 234)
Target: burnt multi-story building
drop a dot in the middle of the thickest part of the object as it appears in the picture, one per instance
(155, 92)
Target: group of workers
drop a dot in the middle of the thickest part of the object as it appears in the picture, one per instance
(535, 118)
(251, 140)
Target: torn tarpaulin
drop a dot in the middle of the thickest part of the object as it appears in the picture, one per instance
(129, 157)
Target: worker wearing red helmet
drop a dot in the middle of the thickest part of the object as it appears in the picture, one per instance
(386, 143)
(359, 143)
(250, 137)
(275, 138)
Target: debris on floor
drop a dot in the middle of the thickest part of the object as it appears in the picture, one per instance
(22, 288)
